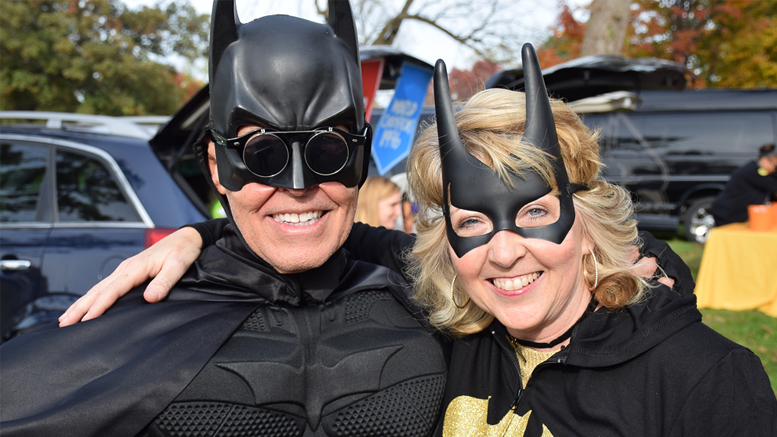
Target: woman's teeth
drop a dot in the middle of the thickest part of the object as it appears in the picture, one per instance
(304, 219)
(516, 283)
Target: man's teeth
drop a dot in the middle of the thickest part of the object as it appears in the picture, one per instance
(304, 219)
(516, 283)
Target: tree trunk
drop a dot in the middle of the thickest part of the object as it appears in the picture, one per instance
(606, 29)
(391, 29)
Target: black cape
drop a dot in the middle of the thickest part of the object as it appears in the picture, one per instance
(114, 374)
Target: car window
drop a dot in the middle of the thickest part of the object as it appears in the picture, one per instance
(87, 191)
(616, 132)
(598, 122)
(22, 172)
(705, 133)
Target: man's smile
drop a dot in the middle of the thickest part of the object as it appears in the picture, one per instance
(303, 219)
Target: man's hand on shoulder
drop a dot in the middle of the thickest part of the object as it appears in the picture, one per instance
(165, 262)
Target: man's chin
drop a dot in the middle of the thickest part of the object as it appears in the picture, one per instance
(298, 258)
(299, 266)
(295, 250)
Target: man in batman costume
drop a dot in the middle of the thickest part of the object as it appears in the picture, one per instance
(275, 331)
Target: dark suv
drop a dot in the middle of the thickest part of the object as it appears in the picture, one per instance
(78, 194)
(674, 149)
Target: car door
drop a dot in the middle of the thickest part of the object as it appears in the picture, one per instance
(25, 224)
(69, 218)
(96, 225)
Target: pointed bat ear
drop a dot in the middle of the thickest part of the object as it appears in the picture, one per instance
(341, 20)
(223, 31)
(452, 150)
(540, 127)
(447, 132)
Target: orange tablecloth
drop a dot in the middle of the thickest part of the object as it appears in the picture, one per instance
(739, 270)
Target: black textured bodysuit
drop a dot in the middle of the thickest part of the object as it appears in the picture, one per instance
(355, 364)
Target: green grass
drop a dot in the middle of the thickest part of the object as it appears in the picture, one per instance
(752, 329)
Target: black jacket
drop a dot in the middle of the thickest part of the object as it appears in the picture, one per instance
(232, 326)
(746, 187)
(651, 369)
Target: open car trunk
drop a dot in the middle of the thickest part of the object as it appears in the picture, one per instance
(594, 75)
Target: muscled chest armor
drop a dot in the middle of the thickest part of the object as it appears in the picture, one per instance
(354, 365)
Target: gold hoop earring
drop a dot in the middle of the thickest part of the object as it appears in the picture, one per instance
(596, 271)
(453, 295)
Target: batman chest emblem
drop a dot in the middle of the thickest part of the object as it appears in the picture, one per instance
(360, 365)
(466, 417)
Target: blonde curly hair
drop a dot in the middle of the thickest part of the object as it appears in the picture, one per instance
(491, 125)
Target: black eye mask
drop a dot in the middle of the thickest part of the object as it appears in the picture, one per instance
(284, 73)
(476, 187)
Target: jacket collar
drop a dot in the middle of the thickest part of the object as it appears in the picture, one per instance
(610, 337)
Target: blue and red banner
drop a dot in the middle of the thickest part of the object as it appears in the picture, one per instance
(395, 132)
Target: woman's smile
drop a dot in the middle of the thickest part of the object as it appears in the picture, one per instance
(516, 285)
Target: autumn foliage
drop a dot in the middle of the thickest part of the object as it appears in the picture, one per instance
(726, 43)
(566, 41)
(465, 83)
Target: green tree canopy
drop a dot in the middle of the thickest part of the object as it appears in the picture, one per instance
(97, 56)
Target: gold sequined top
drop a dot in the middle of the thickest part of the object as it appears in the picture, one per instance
(529, 359)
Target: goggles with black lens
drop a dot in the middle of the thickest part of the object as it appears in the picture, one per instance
(266, 154)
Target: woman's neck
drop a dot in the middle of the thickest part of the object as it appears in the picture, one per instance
(556, 334)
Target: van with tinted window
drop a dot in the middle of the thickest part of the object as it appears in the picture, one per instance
(675, 150)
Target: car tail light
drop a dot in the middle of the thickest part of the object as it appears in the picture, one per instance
(155, 234)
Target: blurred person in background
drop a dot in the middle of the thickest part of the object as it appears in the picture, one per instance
(379, 203)
(409, 210)
(755, 183)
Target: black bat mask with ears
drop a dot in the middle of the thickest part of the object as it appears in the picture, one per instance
(296, 79)
(476, 187)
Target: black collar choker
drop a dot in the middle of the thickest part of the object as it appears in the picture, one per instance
(560, 339)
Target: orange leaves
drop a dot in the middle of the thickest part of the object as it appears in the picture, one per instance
(465, 83)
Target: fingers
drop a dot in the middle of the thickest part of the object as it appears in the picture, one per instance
(100, 297)
(184, 249)
(78, 309)
(647, 267)
(666, 280)
(104, 301)
(672, 265)
(165, 261)
(171, 272)
(634, 254)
